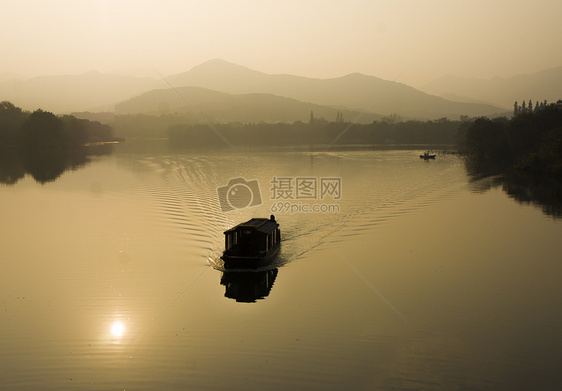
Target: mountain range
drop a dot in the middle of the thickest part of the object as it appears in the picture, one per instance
(354, 91)
(226, 92)
(222, 107)
(91, 91)
(499, 91)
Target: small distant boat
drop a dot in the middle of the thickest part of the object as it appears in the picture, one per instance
(251, 244)
(427, 155)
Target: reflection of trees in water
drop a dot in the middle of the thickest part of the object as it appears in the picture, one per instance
(47, 164)
(479, 169)
(11, 169)
(541, 190)
(44, 165)
(44, 145)
(525, 187)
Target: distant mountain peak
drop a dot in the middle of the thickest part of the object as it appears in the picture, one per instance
(353, 91)
(220, 65)
(218, 61)
(353, 75)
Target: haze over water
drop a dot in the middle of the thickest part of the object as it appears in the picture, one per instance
(394, 273)
(422, 280)
(424, 40)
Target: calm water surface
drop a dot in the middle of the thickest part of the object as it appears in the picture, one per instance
(111, 278)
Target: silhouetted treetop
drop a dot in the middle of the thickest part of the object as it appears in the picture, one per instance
(531, 140)
(11, 119)
(44, 145)
(41, 130)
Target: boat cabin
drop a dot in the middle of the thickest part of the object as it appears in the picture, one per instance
(256, 237)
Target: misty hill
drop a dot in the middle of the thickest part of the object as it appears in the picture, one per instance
(349, 94)
(223, 107)
(354, 91)
(499, 91)
(67, 93)
(8, 76)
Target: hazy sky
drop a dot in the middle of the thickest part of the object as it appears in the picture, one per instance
(426, 39)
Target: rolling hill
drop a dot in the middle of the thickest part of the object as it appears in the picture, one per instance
(91, 91)
(354, 91)
(223, 107)
(539, 86)
(246, 95)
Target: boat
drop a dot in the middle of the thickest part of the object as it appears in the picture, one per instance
(427, 155)
(252, 244)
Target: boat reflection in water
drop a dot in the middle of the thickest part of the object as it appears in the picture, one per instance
(248, 286)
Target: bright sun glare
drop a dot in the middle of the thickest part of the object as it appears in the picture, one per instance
(117, 329)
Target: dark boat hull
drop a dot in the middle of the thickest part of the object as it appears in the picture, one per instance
(245, 262)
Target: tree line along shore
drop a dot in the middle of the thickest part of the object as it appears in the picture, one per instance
(44, 130)
(530, 140)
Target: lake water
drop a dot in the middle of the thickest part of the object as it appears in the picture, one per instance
(411, 275)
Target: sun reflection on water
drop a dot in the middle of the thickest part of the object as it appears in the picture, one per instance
(117, 329)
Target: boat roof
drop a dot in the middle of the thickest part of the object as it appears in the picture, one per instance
(259, 224)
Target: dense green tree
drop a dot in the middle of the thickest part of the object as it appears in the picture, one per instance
(487, 139)
(11, 119)
(43, 144)
(43, 130)
(547, 156)
(530, 140)
(76, 131)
